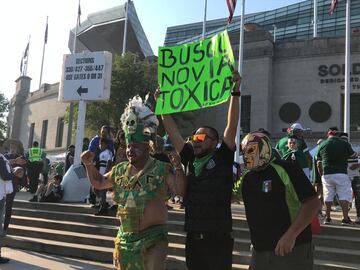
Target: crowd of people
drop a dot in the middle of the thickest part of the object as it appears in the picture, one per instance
(283, 188)
(280, 187)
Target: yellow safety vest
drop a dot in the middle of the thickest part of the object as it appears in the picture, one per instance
(35, 154)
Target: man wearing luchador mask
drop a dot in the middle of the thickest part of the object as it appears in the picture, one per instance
(280, 203)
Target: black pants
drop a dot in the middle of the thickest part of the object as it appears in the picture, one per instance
(356, 189)
(50, 198)
(45, 178)
(101, 197)
(300, 258)
(34, 170)
(8, 209)
(209, 251)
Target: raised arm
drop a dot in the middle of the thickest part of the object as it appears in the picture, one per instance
(96, 179)
(177, 183)
(233, 113)
(171, 128)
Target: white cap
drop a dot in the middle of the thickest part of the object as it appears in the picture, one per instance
(297, 126)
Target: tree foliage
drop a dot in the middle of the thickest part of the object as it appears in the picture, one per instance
(4, 107)
(130, 77)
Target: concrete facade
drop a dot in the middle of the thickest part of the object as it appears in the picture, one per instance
(34, 108)
(298, 78)
(104, 31)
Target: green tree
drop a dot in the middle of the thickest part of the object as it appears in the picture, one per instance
(4, 107)
(130, 77)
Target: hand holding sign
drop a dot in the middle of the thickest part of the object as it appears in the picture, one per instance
(195, 75)
(236, 80)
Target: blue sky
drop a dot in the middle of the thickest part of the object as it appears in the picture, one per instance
(21, 18)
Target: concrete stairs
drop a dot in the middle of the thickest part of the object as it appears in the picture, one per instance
(72, 230)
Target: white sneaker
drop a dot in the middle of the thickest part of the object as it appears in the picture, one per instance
(357, 220)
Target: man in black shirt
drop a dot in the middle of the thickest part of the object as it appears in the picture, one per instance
(208, 220)
(280, 203)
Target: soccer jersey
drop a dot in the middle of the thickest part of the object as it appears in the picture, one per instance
(282, 146)
(333, 154)
(266, 201)
(104, 157)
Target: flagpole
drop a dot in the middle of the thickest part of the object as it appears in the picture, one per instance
(76, 29)
(42, 61)
(274, 32)
(240, 69)
(125, 27)
(204, 22)
(71, 106)
(347, 72)
(315, 19)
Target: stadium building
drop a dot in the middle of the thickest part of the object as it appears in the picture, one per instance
(289, 76)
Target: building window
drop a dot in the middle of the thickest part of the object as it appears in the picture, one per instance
(31, 135)
(245, 113)
(354, 111)
(289, 112)
(320, 111)
(43, 134)
(59, 132)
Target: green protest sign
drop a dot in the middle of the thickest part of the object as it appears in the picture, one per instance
(195, 75)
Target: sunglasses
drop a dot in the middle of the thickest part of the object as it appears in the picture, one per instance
(200, 137)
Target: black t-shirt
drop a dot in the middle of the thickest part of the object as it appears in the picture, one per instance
(188, 157)
(208, 196)
(266, 209)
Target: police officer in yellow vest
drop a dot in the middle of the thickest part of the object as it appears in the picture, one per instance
(36, 159)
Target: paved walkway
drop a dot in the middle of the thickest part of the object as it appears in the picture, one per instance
(29, 260)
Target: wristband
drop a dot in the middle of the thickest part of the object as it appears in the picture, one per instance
(235, 94)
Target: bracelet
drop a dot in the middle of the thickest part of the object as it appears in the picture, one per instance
(235, 94)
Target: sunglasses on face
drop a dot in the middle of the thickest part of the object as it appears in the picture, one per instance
(200, 137)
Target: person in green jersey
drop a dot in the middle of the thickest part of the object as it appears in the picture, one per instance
(140, 187)
(332, 158)
(297, 131)
(296, 156)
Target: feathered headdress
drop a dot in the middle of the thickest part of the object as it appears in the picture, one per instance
(138, 121)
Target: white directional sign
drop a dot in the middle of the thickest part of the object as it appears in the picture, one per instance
(86, 76)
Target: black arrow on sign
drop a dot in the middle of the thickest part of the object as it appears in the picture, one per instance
(82, 90)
